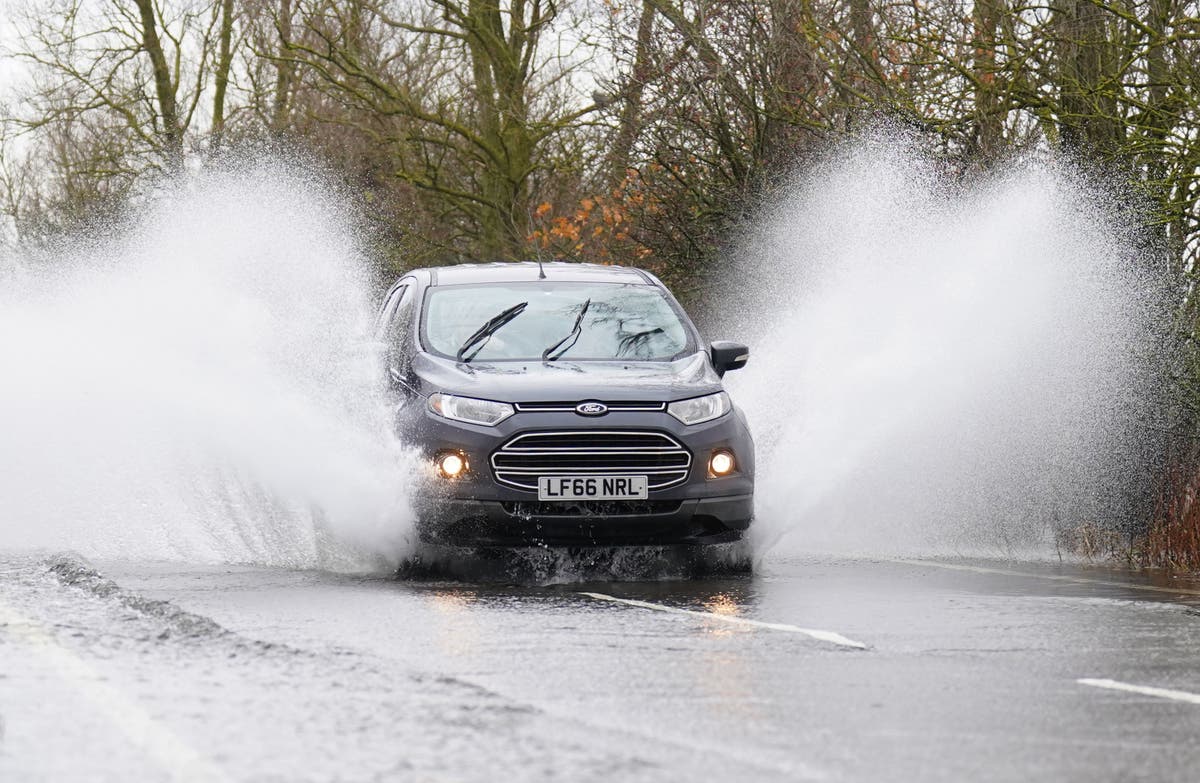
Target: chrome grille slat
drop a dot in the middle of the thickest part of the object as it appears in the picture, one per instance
(591, 451)
(560, 440)
(594, 471)
(527, 456)
(569, 407)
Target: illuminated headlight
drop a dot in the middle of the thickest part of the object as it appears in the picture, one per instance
(701, 409)
(451, 464)
(469, 409)
(721, 463)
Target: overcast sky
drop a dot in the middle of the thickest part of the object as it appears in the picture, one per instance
(10, 70)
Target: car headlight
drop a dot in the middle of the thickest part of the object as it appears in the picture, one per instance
(469, 409)
(701, 409)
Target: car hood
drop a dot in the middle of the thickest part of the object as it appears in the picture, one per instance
(566, 381)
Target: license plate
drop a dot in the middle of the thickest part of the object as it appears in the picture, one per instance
(592, 488)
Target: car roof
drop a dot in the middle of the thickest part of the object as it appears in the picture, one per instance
(530, 271)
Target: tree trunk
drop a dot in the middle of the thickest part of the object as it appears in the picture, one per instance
(1160, 116)
(284, 69)
(631, 112)
(1088, 123)
(987, 135)
(790, 83)
(164, 86)
(862, 23)
(221, 77)
(498, 66)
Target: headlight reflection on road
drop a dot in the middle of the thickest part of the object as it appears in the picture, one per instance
(455, 631)
(723, 671)
(724, 604)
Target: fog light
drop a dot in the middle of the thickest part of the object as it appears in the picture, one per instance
(721, 463)
(451, 464)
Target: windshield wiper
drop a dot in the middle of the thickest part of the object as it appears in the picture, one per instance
(631, 342)
(486, 331)
(549, 354)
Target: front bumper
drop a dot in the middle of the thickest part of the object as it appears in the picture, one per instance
(461, 522)
(477, 510)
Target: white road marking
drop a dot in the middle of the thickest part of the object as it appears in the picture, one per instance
(1144, 690)
(824, 636)
(1053, 577)
(172, 754)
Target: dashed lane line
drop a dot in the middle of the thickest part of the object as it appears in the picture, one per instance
(1144, 690)
(172, 754)
(825, 636)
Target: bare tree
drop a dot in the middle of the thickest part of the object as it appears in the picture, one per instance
(141, 63)
(475, 102)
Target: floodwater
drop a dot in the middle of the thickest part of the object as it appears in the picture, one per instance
(814, 669)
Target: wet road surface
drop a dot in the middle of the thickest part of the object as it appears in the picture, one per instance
(813, 669)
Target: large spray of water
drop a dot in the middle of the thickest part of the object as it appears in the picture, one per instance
(934, 366)
(937, 366)
(192, 390)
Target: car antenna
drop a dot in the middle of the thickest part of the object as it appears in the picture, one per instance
(538, 251)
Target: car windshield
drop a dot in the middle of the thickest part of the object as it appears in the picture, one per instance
(622, 321)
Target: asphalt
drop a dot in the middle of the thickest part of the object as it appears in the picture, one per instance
(811, 669)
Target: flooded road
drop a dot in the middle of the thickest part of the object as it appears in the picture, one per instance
(193, 385)
(813, 669)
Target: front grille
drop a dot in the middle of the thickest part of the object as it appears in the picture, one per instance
(656, 455)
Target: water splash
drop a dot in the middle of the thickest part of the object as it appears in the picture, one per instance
(935, 367)
(190, 389)
(939, 367)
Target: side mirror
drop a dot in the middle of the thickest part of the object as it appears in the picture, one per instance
(728, 356)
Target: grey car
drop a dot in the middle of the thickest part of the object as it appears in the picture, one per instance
(564, 404)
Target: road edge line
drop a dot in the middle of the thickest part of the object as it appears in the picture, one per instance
(178, 759)
(1084, 580)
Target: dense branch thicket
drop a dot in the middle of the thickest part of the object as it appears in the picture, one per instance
(607, 130)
